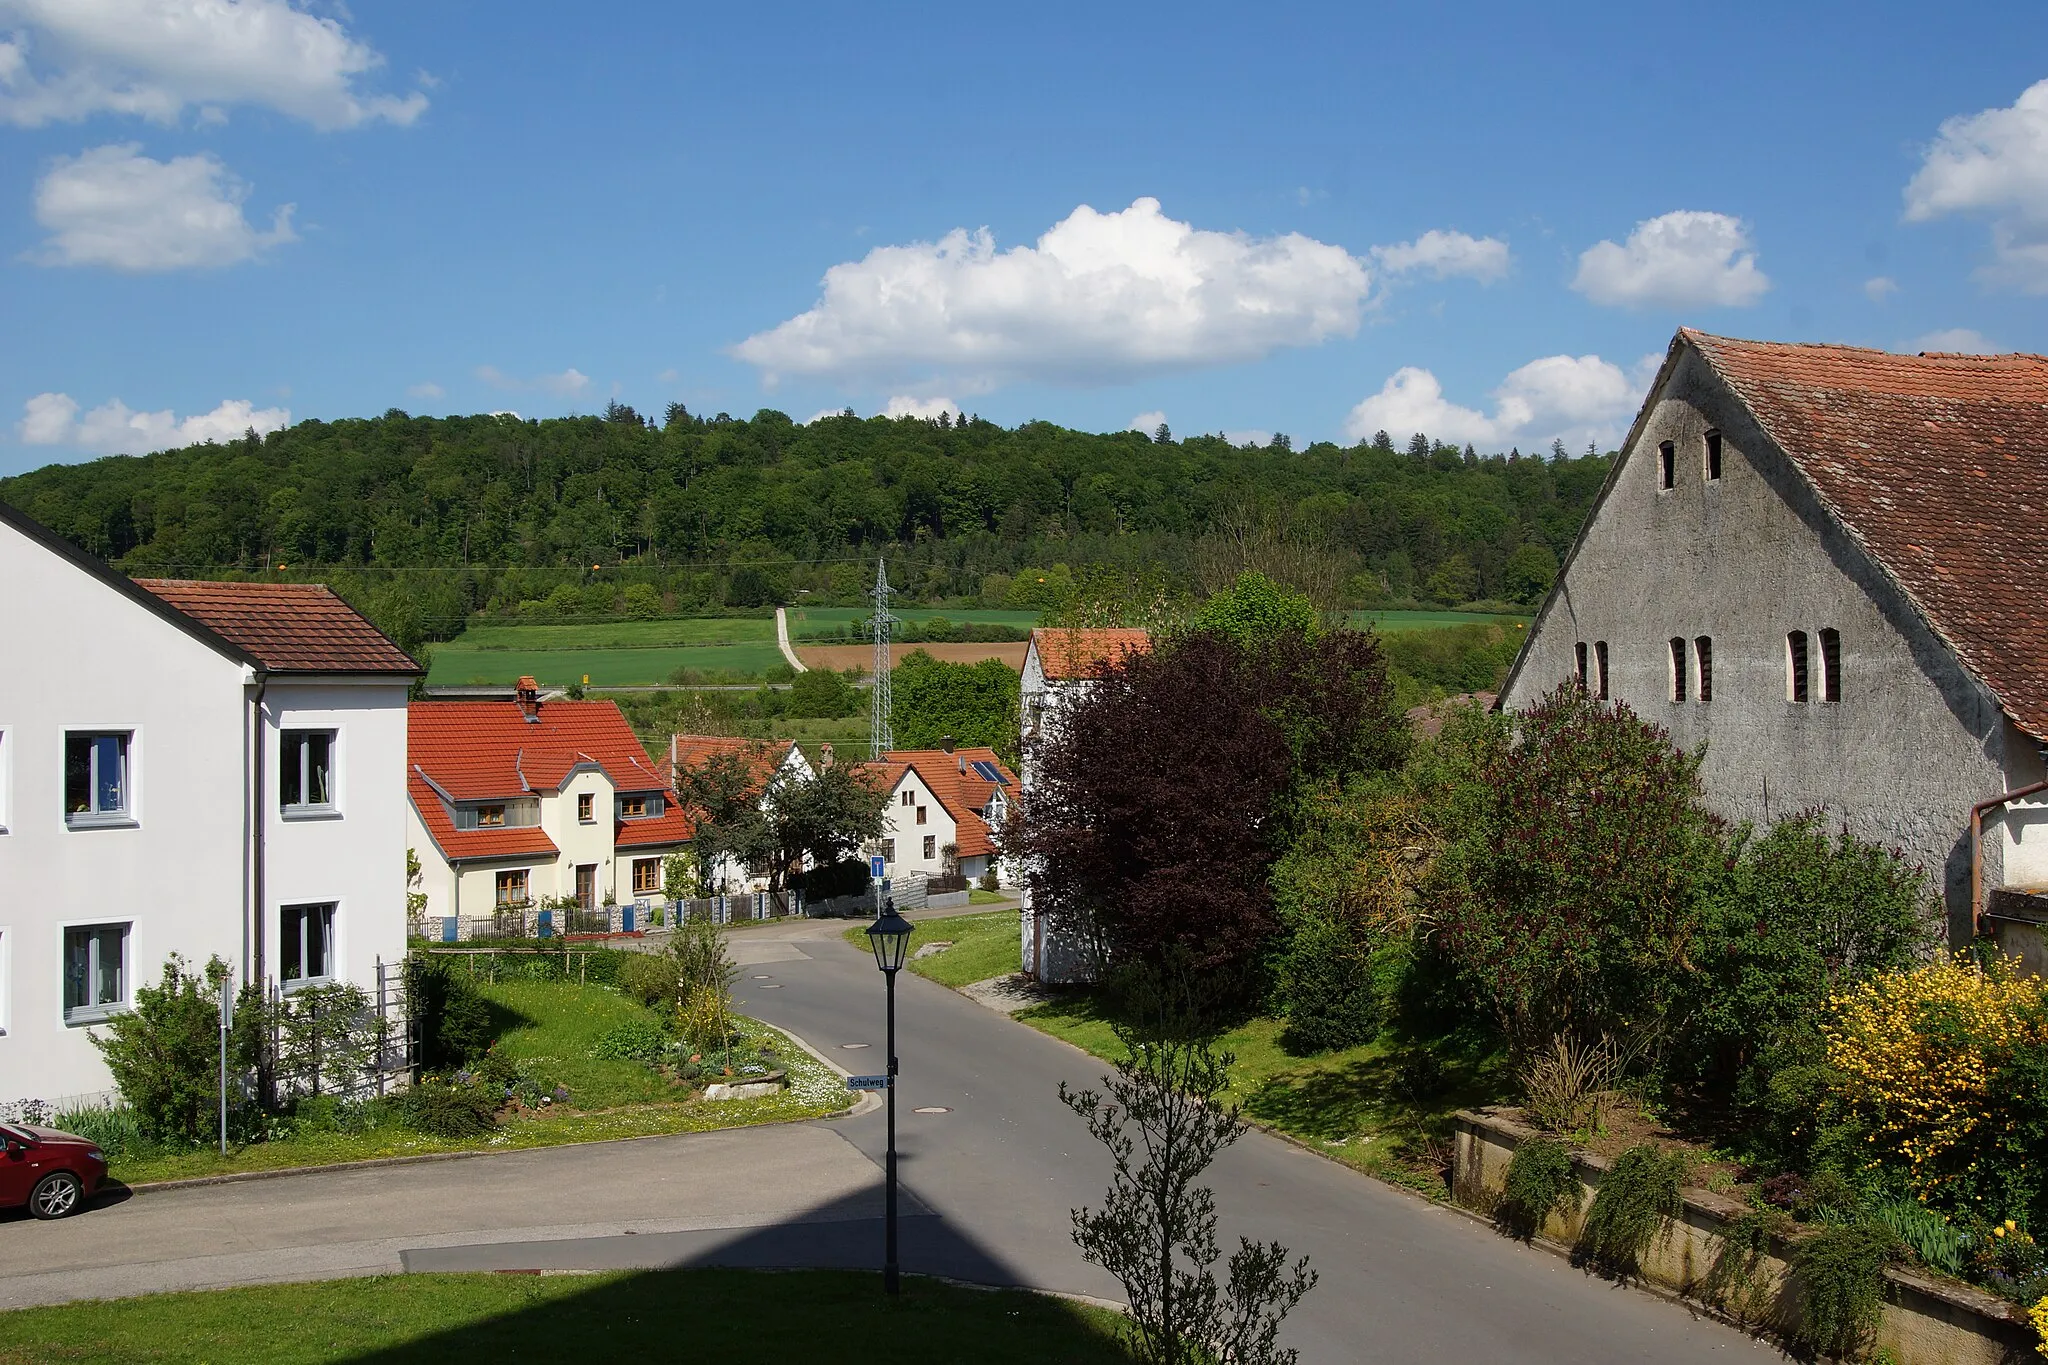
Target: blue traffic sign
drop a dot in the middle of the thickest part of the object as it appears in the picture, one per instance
(878, 868)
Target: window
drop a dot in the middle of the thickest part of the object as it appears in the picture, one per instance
(1830, 665)
(1703, 656)
(95, 970)
(1678, 668)
(305, 944)
(1579, 662)
(498, 814)
(586, 808)
(490, 817)
(1600, 669)
(95, 779)
(888, 850)
(1713, 456)
(922, 813)
(586, 885)
(1667, 467)
(640, 807)
(1795, 666)
(646, 876)
(512, 887)
(909, 798)
(931, 845)
(306, 782)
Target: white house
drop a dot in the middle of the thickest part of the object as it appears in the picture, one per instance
(766, 759)
(518, 802)
(193, 768)
(945, 808)
(1059, 665)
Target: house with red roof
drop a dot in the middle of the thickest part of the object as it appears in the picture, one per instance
(764, 759)
(946, 808)
(1829, 567)
(205, 769)
(530, 804)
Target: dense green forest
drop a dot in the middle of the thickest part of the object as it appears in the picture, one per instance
(430, 521)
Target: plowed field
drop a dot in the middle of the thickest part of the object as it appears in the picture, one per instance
(863, 656)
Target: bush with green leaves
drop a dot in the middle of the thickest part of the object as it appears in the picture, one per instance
(1542, 1179)
(1837, 1282)
(1331, 990)
(113, 1128)
(453, 1018)
(635, 1040)
(650, 978)
(1636, 1197)
(164, 1055)
(449, 1108)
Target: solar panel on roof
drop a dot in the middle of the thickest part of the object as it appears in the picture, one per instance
(988, 772)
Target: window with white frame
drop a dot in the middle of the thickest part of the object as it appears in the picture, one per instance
(931, 846)
(96, 787)
(95, 970)
(306, 772)
(514, 886)
(305, 943)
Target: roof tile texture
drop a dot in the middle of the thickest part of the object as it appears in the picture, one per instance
(286, 627)
(1067, 653)
(1938, 466)
(952, 779)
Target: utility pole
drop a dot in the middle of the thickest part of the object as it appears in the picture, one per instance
(880, 741)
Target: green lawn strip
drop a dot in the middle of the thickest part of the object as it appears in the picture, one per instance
(1379, 1107)
(1388, 622)
(984, 945)
(977, 896)
(555, 1023)
(720, 630)
(708, 1315)
(743, 660)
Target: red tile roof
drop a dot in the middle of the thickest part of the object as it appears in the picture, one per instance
(286, 627)
(962, 791)
(1938, 466)
(764, 755)
(1070, 652)
(475, 751)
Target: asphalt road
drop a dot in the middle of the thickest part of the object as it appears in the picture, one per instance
(989, 1177)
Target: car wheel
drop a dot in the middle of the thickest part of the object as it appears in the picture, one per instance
(57, 1195)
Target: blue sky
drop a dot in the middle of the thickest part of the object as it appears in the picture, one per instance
(1315, 219)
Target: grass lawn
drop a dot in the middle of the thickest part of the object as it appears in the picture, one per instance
(1384, 1107)
(741, 660)
(704, 630)
(984, 945)
(556, 1024)
(1389, 622)
(977, 896)
(673, 1315)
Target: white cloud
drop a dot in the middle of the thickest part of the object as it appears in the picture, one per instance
(1101, 297)
(1147, 422)
(567, 384)
(1957, 340)
(1443, 255)
(1572, 398)
(115, 207)
(1878, 288)
(1250, 436)
(67, 59)
(52, 419)
(427, 389)
(1678, 259)
(1994, 162)
(928, 408)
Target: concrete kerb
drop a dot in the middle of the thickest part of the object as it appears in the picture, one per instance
(867, 1103)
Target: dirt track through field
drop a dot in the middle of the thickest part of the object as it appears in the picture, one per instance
(862, 656)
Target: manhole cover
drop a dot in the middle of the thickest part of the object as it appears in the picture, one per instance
(772, 986)
(850, 1047)
(932, 1109)
(764, 978)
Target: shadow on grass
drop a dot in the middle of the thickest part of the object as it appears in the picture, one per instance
(1407, 1092)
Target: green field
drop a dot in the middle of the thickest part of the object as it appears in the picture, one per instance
(1389, 622)
(698, 630)
(822, 621)
(634, 667)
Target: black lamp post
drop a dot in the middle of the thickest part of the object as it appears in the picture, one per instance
(889, 935)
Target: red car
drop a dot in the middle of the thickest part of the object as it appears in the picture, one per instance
(53, 1173)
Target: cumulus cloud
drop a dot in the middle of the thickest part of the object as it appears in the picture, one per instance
(1099, 298)
(1996, 163)
(54, 419)
(928, 408)
(1878, 288)
(113, 206)
(1147, 422)
(1678, 259)
(67, 59)
(567, 384)
(1443, 255)
(1957, 340)
(1560, 397)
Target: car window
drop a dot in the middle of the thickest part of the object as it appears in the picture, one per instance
(18, 1134)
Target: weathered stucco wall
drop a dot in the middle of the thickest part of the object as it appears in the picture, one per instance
(1744, 560)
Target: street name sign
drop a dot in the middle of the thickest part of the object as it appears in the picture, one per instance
(867, 1082)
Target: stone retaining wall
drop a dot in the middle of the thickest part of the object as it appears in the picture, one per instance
(1926, 1321)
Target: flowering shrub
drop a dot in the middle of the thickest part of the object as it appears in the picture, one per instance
(1926, 1058)
(2040, 1315)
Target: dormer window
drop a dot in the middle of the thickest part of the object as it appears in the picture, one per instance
(489, 817)
(497, 815)
(640, 807)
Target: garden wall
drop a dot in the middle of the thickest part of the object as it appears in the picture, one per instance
(1926, 1321)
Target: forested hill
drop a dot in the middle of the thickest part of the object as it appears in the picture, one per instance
(507, 507)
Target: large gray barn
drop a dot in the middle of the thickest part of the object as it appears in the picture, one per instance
(1830, 566)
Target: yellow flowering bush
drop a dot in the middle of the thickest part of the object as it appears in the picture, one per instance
(2039, 1313)
(1918, 1050)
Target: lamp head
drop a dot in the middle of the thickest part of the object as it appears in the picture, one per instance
(889, 935)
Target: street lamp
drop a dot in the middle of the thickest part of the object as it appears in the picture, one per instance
(889, 935)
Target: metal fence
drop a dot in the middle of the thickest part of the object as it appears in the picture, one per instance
(338, 1039)
(514, 922)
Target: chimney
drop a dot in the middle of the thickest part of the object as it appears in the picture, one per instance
(947, 744)
(825, 754)
(528, 696)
